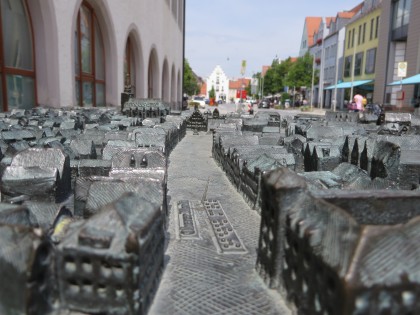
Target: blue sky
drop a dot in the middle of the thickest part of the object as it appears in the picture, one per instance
(225, 32)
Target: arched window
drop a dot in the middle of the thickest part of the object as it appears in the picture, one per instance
(17, 66)
(89, 59)
(129, 70)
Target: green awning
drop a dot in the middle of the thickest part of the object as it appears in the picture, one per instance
(347, 85)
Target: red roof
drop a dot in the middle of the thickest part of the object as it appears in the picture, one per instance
(328, 20)
(264, 70)
(236, 85)
(357, 8)
(312, 26)
(346, 14)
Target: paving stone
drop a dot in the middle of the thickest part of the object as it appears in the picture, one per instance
(197, 279)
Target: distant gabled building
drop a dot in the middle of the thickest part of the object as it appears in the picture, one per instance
(310, 26)
(220, 82)
(317, 50)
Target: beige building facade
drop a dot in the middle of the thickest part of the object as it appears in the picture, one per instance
(399, 41)
(63, 53)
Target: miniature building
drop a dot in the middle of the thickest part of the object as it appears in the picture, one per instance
(115, 146)
(139, 158)
(197, 121)
(331, 255)
(83, 149)
(250, 184)
(41, 173)
(145, 108)
(274, 120)
(111, 263)
(150, 137)
(342, 116)
(181, 124)
(236, 155)
(26, 271)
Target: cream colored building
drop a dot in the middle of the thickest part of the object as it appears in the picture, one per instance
(63, 53)
(220, 82)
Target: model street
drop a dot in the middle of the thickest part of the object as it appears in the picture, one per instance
(198, 278)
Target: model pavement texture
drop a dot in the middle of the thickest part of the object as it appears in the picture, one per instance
(85, 211)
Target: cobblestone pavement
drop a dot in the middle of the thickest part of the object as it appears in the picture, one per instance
(199, 277)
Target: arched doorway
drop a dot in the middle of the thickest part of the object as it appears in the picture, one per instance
(129, 67)
(165, 82)
(17, 60)
(173, 86)
(153, 76)
(89, 59)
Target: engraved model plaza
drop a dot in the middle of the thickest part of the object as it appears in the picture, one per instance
(85, 207)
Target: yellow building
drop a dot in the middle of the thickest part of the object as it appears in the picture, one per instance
(360, 48)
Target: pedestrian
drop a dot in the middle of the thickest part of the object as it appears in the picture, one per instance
(250, 110)
(358, 100)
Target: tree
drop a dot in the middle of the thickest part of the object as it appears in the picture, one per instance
(191, 86)
(300, 72)
(212, 93)
(274, 79)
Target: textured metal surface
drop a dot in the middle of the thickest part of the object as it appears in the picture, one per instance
(228, 241)
(197, 279)
(187, 228)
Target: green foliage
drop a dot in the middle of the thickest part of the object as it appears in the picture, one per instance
(248, 89)
(285, 96)
(212, 93)
(191, 86)
(289, 73)
(274, 79)
(300, 72)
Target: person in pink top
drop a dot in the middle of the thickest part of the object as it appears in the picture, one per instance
(358, 99)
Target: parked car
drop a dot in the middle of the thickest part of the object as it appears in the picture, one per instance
(264, 104)
(200, 100)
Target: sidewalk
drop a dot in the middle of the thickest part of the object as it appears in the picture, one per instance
(199, 279)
